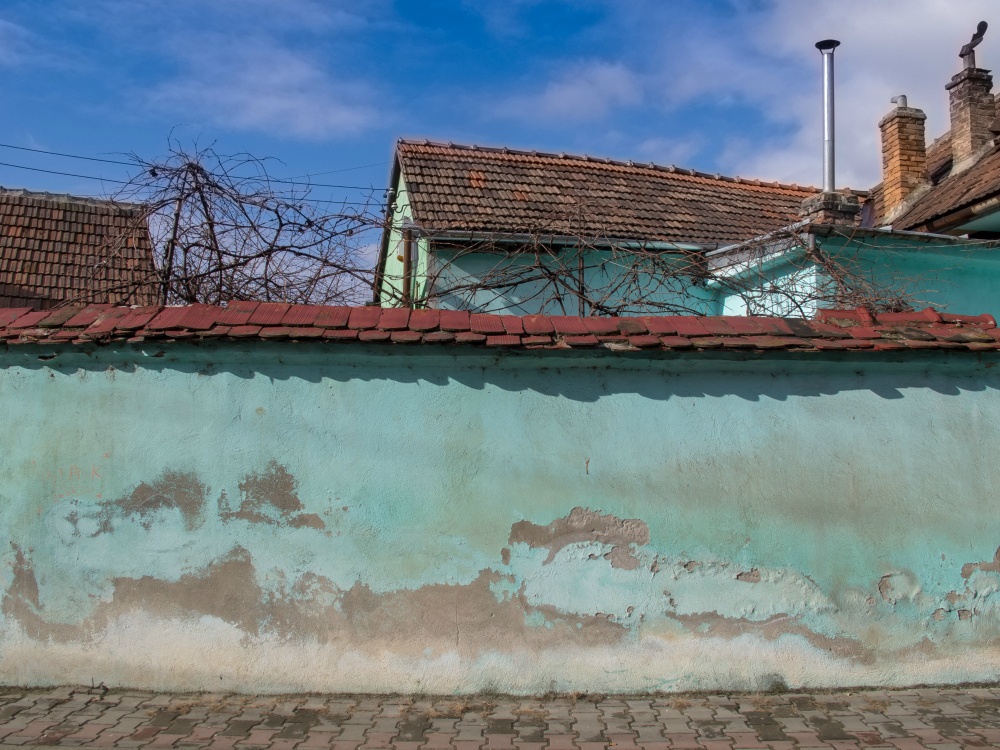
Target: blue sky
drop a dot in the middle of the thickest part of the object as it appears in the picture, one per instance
(326, 86)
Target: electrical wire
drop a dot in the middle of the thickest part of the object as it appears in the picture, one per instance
(327, 202)
(64, 174)
(68, 156)
(288, 181)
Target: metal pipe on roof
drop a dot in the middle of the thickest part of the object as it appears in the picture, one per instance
(826, 48)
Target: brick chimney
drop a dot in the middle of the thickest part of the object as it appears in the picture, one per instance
(904, 154)
(972, 111)
(831, 208)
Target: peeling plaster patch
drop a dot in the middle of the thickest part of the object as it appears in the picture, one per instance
(469, 618)
(991, 566)
(24, 585)
(489, 614)
(505, 555)
(940, 614)
(226, 589)
(586, 526)
(751, 576)
(885, 588)
(900, 585)
(307, 520)
(271, 497)
(964, 614)
(173, 490)
(775, 628)
(621, 557)
(22, 603)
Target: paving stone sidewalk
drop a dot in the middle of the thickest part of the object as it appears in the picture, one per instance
(917, 718)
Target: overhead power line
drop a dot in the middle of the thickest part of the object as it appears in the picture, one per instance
(284, 181)
(64, 174)
(327, 201)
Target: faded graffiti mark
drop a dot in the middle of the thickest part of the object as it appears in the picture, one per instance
(991, 566)
(271, 497)
(586, 526)
(74, 480)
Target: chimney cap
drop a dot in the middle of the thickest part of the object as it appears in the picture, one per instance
(827, 45)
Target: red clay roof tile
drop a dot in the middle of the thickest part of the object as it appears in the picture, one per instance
(333, 317)
(488, 324)
(58, 248)
(454, 320)
(268, 313)
(425, 320)
(463, 188)
(394, 319)
(845, 330)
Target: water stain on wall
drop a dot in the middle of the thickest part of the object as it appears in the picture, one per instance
(582, 526)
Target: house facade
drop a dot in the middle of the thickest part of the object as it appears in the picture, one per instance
(498, 230)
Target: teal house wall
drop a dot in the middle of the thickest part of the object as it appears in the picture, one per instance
(291, 516)
(527, 292)
(948, 274)
(492, 274)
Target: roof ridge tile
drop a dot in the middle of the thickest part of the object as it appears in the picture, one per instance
(832, 330)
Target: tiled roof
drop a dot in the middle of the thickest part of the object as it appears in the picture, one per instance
(493, 190)
(55, 248)
(834, 330)
(978, 182)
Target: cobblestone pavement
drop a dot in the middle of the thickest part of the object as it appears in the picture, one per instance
(918, 718)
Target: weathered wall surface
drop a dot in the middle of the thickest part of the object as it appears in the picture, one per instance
(284, 517)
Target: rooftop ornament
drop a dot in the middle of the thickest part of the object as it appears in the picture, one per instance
(968, 53)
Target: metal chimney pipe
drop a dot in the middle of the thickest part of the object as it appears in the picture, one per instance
(826, 47)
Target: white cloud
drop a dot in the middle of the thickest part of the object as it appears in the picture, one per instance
(261, 86)
(760, 55)
(767, 60)
(15, 44)
(250, 65)
(890, 47)
(678, 151)
(583, 91)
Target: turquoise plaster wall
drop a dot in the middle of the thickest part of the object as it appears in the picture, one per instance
(604, 271)
(953, 278)
(282, 517)
(391, 287)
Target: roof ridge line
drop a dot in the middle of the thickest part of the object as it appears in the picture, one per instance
(67, 198)
(670, 168)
